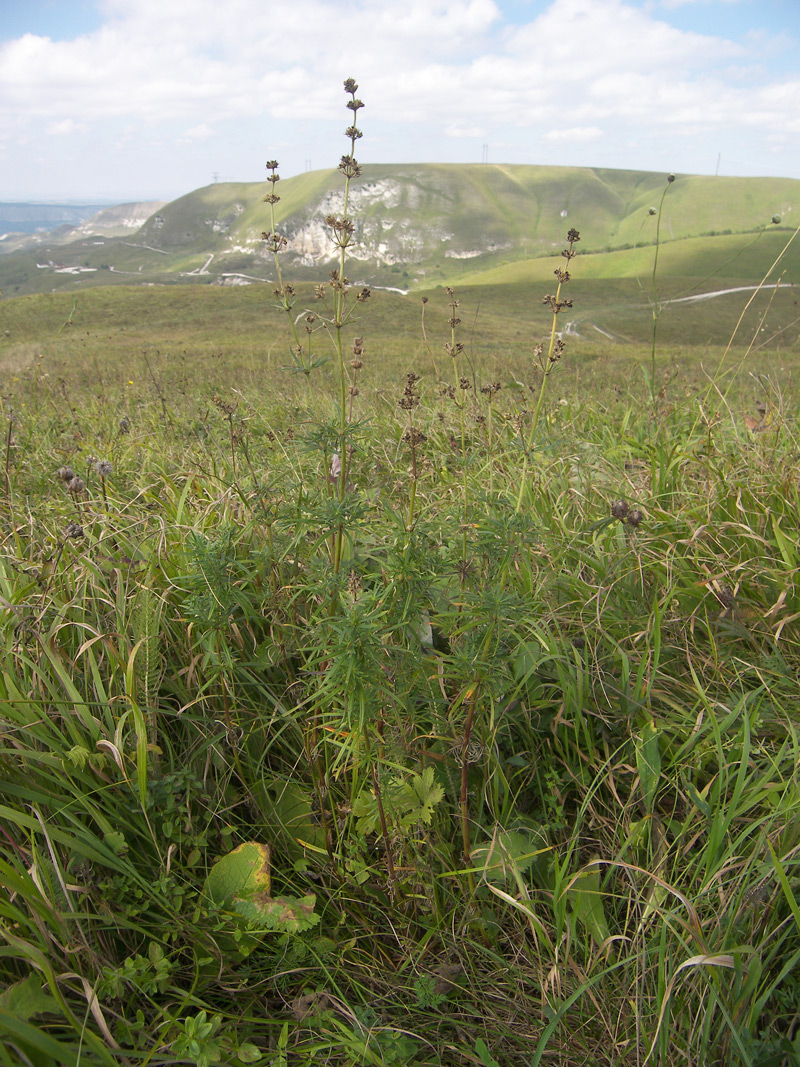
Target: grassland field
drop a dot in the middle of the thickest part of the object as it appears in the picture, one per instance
(482, 750)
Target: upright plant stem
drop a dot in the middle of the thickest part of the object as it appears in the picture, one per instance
(554, 349)
(654, 308)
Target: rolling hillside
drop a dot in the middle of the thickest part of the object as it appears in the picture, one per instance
(419, 226)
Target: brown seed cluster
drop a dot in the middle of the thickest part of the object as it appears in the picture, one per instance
(410, 398)
(622, 511)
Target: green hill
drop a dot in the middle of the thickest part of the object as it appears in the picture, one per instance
(418, 226)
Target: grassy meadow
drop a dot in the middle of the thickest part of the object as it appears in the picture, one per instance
(415, 688)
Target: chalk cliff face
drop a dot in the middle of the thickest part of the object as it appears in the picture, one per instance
(380, 237)
(401, 221)
(120, 220)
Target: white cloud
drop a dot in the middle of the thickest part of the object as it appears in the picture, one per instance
(673, 5)
(574, 134)
(199, 133)
(457, 130)
(432, 72)
(66, 128)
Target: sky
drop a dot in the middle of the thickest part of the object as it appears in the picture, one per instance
(123, 100)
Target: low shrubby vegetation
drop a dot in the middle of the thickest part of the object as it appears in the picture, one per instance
(408, 711)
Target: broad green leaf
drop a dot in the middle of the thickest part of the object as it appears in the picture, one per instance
(293, 809)
(507, 852)
(586, 902)
(26, 998)
(240, 882)
(240, 874)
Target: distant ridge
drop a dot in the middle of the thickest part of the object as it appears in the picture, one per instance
(417, 226)
(20, 217)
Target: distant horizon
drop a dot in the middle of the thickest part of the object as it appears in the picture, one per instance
(111, 202)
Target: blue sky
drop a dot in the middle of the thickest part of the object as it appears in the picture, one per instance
(148, 99)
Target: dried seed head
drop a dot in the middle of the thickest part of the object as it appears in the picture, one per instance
(74, 531)
(76, 485)
(124, 424)
(414, 436)
(103, 467)
(66, 474)
(349, 166)
(558, 350)
(635, 518)
(620, 509)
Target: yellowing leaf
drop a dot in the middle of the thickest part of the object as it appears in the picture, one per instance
(240, 882)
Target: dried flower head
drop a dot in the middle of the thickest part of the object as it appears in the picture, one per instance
(74, 532)
(620, 509)
(103, 467)
(414, 436)
(453, 349)
(66, 474)
(349, 166)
